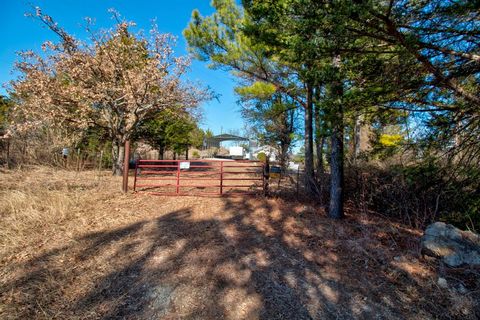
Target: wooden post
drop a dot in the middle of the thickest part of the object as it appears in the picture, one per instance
(126, 161)
(221, 177)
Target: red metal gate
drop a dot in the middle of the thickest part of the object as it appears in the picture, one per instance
(199, 177)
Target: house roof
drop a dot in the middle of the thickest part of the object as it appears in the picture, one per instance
(226, 137)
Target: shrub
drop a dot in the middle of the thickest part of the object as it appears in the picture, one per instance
(418, 194)
(261, 156)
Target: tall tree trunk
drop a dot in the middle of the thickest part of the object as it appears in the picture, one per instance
(320, 145)
(285, 139)
(161, 152)
(284, 146)
(336, 168)
(362, 132)
(118, 153)
(356, 137)
(286, 122)
(336, 163)
(309, 171)
(319, 136)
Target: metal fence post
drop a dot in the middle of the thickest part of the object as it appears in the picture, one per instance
(266, 175)
(178, 177)
(135, 176)
(263, 178)
(221, 177)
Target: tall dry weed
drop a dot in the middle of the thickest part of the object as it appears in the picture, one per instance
(40, 203)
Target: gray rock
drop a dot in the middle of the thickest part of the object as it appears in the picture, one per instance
(454, 246)
(461, 289)
(442, 283)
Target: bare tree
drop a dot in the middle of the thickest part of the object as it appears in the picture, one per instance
(114, 81)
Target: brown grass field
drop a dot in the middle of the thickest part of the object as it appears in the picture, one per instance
(72, 246)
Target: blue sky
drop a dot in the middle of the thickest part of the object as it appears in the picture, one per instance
(24, 33)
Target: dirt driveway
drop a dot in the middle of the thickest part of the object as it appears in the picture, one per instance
(219, 258)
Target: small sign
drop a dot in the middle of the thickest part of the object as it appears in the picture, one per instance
(236, 151)
(185, 165)
(275, 172)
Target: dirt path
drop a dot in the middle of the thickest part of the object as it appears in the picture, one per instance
(141, 257)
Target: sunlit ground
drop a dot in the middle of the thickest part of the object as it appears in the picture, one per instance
(73, 246)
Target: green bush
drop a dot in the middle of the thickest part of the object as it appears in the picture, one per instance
(261, 156)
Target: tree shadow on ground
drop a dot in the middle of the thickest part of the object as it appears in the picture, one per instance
(258, 259)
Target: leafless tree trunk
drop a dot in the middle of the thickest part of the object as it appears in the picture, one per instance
(118, 153)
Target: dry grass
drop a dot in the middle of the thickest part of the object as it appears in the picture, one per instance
(41, 205)
(72, 246)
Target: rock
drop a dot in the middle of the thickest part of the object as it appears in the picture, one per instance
(308, 209)
(461, 289)
(454, 246)
(442, 283)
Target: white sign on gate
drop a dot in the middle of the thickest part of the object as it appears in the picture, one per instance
(185, 165)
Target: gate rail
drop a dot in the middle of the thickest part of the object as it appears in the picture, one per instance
(222, 177)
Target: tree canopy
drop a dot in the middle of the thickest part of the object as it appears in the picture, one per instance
(113, 81)
(349, 64)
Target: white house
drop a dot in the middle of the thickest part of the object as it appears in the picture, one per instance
(268, 150)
